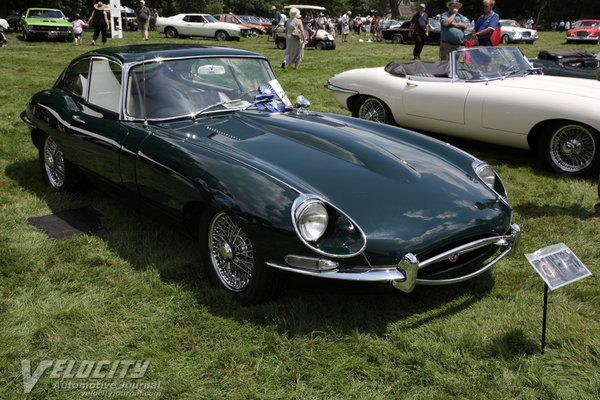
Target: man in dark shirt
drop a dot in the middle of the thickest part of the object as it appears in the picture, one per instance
(419, 28)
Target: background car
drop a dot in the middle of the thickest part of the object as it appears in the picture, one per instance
(512, 32)
(256, 29)
(399, 34)
(205, 25)
(576, 63)
(491, 94)
(206, 137)
(584, 31)
(45, 23)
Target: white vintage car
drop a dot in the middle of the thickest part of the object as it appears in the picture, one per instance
(490, 94)
(185, 25)
(513, 33)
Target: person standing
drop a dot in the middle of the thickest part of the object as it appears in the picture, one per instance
(78, 25)
(485, 25)
(99, 21)
(294, 43)
(275, 17)
(452, 30)
(419, 28)
(345, 26)
(143, 14)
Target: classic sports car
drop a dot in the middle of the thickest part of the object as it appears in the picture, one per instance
(256, 29)
(512, 32)
(207, 136)
(585, 30)
(186, 25)
(576, 63)
(491, 94)
(39, 23)
(399, 34)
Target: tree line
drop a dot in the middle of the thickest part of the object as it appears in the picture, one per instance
(542, 11)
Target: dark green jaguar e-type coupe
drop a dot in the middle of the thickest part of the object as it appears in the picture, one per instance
(208, 136)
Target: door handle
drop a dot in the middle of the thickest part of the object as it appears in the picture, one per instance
(409, 83)
(77, 118)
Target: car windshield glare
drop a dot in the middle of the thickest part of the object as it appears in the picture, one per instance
(486, 63)
(168, 89)
(210, 18)
(55, 14)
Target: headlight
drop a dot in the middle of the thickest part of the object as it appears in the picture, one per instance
(311, 219)
(486, 173)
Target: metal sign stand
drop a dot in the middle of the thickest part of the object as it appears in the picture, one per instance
(558, 266)
(544, 318)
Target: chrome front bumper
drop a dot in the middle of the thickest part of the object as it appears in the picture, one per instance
(404, 275)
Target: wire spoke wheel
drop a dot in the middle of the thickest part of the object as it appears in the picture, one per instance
(373, 109)
(54, 164)
(572, 148)
(231, 253)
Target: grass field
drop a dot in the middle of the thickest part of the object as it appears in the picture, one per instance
(138, 292)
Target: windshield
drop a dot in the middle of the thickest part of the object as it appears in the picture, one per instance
(435, 24)
(587, 23)
(177, 88)
(509, 23)
(485, 63)
(45, 14)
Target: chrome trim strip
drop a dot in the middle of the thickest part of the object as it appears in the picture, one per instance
(339, 89)
(364, 275)
(501, 241)
(26, 119)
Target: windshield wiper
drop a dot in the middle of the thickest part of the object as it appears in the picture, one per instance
(220, 104)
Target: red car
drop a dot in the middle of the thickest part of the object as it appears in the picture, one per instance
(585, 30)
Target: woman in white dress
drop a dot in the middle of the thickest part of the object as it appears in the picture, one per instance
(293, 45)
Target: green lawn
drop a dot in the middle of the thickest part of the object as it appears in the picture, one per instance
(139, 293)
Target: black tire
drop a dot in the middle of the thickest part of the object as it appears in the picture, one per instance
(320, 45)
(230, 260)
(280, 44)
(397, 39)
(372, 109)
(254, 33)
(56, 170)
(505, 39)
(221, 36)
(171, 33)
(570, 148)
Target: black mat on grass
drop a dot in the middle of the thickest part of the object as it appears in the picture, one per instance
(68, 223)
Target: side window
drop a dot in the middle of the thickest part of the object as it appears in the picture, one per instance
(105, 84)
(76, 78)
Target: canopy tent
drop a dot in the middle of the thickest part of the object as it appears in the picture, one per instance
(306, 7)
(124, 10)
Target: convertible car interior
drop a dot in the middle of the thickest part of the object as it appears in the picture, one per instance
(428, 69)
(570, 57)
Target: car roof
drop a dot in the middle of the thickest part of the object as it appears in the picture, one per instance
(141, 52)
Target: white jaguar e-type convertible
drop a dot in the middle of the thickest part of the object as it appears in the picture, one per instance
(491, 94)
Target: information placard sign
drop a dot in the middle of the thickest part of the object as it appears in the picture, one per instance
(557, 265)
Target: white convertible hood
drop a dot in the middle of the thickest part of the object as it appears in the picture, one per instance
(553, 84)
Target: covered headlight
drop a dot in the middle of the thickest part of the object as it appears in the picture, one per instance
(485, 173)
(311, 219)
(325, 229)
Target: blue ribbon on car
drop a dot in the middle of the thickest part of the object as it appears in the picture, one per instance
(264, 100)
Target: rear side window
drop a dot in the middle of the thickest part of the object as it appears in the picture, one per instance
(76, 79)
(105, 84)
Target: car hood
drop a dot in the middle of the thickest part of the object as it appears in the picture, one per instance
(395, 184)
(553, 84)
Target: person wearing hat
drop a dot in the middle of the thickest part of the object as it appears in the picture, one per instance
(419, 28)
(143, 14)
(486, 24)
(293, 44)
(275, 17)
(452, 29)
(99, 21)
